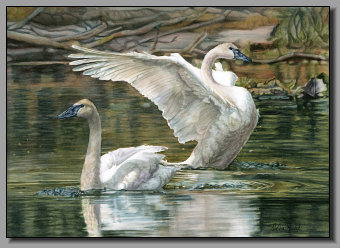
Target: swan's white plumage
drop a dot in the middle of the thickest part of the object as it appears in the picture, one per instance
(226, 78)
(135, 168)
(219, 116)
(164, 80)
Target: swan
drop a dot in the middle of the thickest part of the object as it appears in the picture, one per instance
(133, 168)
(226, 78)
(217, 114)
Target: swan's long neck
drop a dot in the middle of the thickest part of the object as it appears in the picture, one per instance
(207, 76)
(207, 64)
(91, 170)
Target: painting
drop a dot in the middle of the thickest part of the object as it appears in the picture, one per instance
(168, 122)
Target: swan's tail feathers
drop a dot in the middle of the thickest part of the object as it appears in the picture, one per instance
(161, 176)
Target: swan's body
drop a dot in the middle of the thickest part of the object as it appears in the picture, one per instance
(133, 168)
(217, 114)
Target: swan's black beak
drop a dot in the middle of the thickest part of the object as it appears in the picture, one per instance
(70, 112)
(240, 56)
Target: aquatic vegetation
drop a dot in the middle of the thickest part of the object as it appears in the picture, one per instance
(66, 192)
(242, 165)
(303, 27)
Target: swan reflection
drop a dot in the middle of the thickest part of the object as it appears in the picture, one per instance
(168, 215)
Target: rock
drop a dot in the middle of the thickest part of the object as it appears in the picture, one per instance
(314, 87)
(278, 91)
(243, 37)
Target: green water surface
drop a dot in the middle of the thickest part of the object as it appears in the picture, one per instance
(278, 186)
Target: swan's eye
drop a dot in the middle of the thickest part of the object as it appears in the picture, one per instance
(230, 48)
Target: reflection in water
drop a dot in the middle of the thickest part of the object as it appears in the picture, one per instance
(175, 214)
(92, 217)
(291, 200)
(298, 73)
(133, 214)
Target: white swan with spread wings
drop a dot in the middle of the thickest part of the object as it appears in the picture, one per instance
(196, 105)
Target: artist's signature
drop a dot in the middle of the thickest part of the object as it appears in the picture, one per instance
(286, 227)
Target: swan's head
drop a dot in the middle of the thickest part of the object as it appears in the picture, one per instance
(83, 108)
(230, 51)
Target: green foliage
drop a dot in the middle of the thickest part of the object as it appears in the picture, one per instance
(303, 27)
(245, 82)
(324, 77)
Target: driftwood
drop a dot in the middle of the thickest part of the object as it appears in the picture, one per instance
(73, 28)
(123, 33)
(188, 49)
(153, 48)
(84, 35)
(27, 19)
(109, 31)
(134, 30)
(34, 63)
(140, 20)
(193, 26)
(290, 56)
(53, 34)
(142, 30)
(55, 37)
(36, 40)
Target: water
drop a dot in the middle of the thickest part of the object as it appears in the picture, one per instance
(278, 186)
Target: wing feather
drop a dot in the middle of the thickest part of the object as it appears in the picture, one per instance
(188, 105)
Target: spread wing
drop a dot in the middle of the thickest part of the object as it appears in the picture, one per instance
(188, 105)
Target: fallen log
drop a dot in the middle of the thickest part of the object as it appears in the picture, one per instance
(22, 23)
(35, 63)
(289, 56)
(122, 33)
(85, 35)
(191, 27)
(186, 50)
(36, 40)
(142, 30)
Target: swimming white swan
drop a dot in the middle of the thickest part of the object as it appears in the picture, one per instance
(133, 168)
(215, 113)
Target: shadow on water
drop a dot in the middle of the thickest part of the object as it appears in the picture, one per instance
(277, 187)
